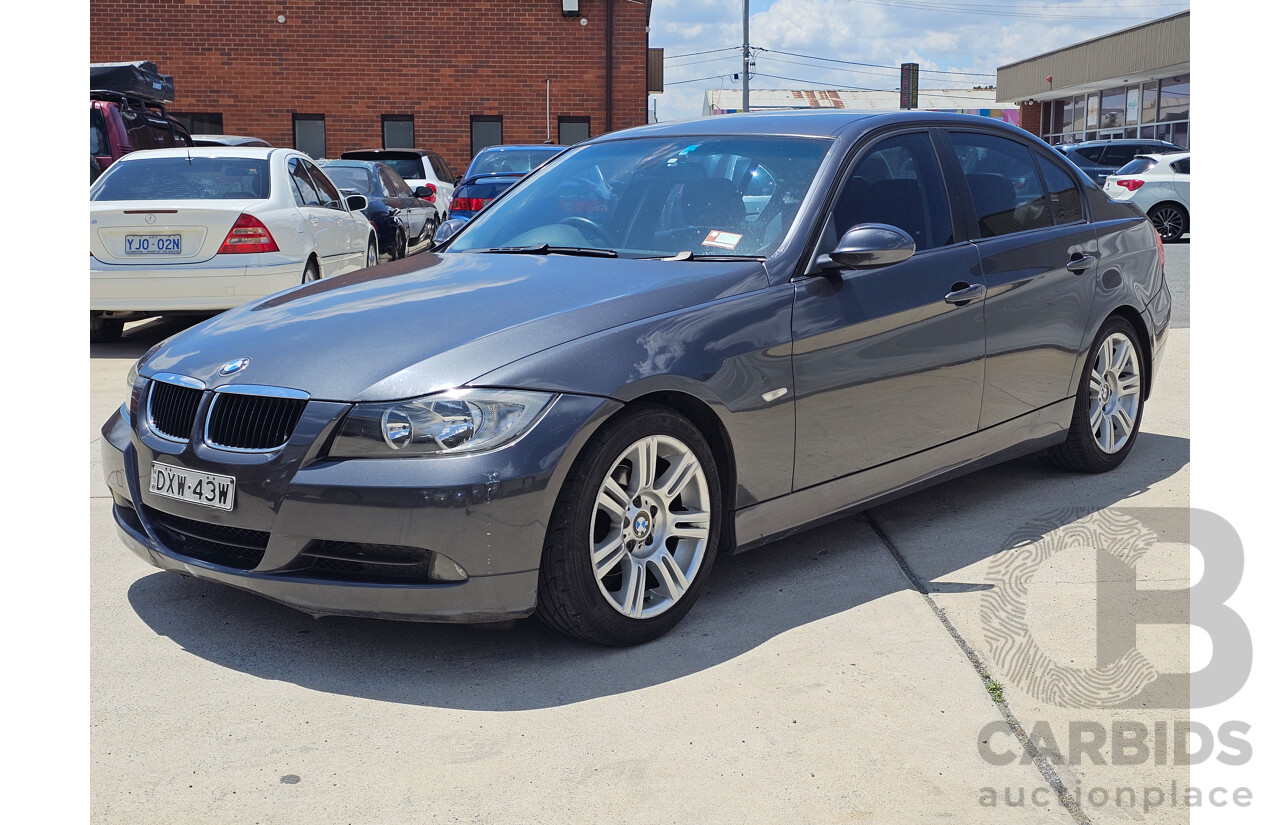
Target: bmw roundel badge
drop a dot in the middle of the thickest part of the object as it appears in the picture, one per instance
(232, 367)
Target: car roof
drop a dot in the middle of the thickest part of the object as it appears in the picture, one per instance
(1115, 142)
(1166, 157)
(801, 123)
(503, 147)
(365, 164)
(233, 140)
(386, 152)
(492, 177)
(207, 152)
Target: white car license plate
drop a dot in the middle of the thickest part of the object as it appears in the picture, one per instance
(153, 244)
(208, 489)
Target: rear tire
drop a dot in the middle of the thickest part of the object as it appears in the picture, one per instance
(103, 330)
(1170, 220)
(311, 272)
(633, 535)
(402, 246)
(1109, 403)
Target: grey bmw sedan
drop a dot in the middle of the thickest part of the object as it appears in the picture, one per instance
(670, 343)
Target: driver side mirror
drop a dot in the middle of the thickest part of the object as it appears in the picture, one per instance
(426, 193)
(870, 245)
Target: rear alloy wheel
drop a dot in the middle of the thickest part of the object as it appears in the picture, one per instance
(634, 532)
(401, 247)
(428, 232)
(1170, 221)
(371, 255)
(311, 273)
(1109, 403)
(103, 330)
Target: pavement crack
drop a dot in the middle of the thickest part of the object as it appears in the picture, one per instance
(1042, 763)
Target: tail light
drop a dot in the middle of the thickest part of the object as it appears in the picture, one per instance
(248, 235)
(431, 193)
(1132, 184)
(469, 204)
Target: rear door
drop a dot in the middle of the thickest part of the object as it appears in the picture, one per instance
(1038, 256)
(350, 236)
(884, 365)
(327, 236)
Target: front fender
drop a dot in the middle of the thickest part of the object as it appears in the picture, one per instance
(727, 354)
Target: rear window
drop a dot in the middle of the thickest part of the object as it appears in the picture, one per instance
(408, 167)
(352, 177)
(180, 178)
(1136, 166)
(517, 161)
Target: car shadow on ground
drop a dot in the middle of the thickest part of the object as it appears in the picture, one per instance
(139, 336)
(750, 599)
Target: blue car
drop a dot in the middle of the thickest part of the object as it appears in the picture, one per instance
(493, 171)
(401, 217)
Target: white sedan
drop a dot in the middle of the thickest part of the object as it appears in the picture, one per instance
(205, 229)
(1159, 185)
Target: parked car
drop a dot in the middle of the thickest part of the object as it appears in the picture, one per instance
(205, 229)
(127, 113)
(401, 217)
(227, 140)
(1099, 158)
(492, 171)
(575, 416)
(418, 167)
(514, 159)
(1159, 185)
(477, 192)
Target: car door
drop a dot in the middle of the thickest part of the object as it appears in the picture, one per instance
(885, 365)
(348, 236)
(1038, 255)
(412, 210)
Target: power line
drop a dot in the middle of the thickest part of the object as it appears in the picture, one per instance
(872, 65)
(995, 11)
(708, 51)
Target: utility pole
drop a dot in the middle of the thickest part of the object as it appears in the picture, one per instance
(746, 55)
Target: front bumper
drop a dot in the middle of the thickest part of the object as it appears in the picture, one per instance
(213, 286)
(487, 512)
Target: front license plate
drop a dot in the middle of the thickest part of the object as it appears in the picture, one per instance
(208, 489)
(153, 244)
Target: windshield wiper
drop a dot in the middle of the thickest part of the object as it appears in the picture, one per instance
(547, 249)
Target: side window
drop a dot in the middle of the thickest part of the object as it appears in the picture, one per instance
(329, 195)
(443, 173)
(1064, 195)
(1182, 167)
(899, 183)
(398, 186)
(388, 183)
(1118, 156)
(1003, 183)
(1091, 153)
(304, 191)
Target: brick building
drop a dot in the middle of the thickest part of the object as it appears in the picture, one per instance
(329, 76)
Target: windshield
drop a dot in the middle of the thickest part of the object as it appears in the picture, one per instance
(182, 178)
(354, 178)
(518, 161)
(657, 197)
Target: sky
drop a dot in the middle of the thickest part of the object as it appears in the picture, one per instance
(957, 44)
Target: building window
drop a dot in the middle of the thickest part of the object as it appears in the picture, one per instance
(1175, 99)
(486, 130)
(1113, 106)
(574, 130)
(397, 131)
(200, 123)
(308, 134)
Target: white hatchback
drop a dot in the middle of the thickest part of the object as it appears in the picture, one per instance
(1159, 185)
(205, 229)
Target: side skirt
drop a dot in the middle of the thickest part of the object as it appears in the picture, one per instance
(774, 519)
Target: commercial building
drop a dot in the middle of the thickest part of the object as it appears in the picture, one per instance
(327, 77)
(967, 101)
(1128, 84)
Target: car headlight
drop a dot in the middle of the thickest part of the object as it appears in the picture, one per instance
(449, 423)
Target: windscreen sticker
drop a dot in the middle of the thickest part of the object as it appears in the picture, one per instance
(722, 240)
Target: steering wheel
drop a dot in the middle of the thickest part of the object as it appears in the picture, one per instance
(585, 226)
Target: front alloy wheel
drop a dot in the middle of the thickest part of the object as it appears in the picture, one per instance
(633, 533)
(650, 528)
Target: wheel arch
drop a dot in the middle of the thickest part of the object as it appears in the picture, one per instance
(708, 424)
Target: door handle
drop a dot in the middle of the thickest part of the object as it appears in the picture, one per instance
(962, 293)
(1079, 263)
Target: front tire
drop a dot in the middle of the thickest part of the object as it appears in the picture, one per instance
(1109, 403)
(371, 253)
(634, 532)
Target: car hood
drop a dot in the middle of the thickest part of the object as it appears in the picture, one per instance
(432, 322)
